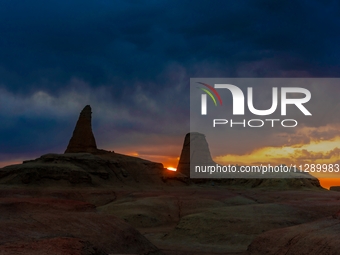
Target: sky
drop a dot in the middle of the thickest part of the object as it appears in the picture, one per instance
(132, 62)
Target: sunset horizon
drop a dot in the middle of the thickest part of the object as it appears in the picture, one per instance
(169, 127)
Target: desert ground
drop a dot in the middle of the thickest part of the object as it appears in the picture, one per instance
(114, 204)
(88, 201)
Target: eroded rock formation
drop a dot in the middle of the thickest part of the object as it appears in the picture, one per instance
(83, 139)
(83, 164)
(198, 154)
(84, 169)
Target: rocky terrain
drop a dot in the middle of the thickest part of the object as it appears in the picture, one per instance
(82, 169)
(174, 218)
(316, 237)
(94, 202)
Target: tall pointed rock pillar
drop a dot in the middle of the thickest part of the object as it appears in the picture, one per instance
(83, 139)
(196, 151)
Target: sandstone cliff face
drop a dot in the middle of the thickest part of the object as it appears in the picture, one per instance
(83, 139)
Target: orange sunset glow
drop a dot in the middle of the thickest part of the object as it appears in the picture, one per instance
(306, 146)
(171, 168)
(7, 163)
(169, 161)
(315, 152)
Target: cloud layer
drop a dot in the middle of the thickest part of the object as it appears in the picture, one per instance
(132, 61)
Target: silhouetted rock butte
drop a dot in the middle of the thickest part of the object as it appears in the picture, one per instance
(83, 139)
(199, 153)
(83, 164)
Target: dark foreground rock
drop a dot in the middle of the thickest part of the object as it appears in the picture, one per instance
(51, 246)
(53, 226)
(181, 219)
(234, 227)
(314, 238)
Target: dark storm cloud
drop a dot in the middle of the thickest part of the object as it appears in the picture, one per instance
(119, 42)
(132, 60)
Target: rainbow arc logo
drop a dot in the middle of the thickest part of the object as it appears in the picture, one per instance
(211, 91)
